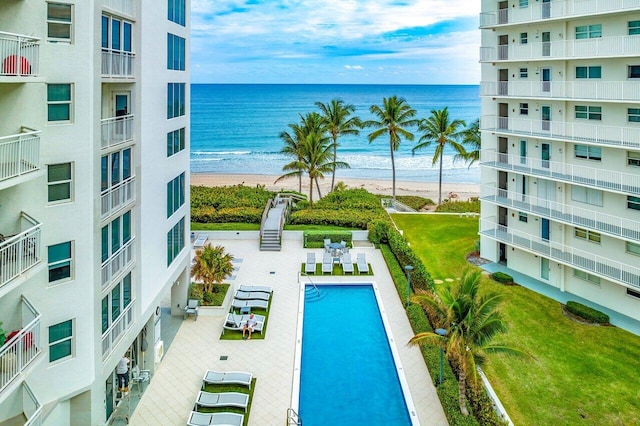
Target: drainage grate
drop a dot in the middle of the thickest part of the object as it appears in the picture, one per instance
(224, 357)
(272, 272)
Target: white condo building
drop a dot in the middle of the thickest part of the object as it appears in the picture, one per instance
(94, 208)
(560, 162)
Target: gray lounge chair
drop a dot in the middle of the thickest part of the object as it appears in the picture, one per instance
(347, 263)
(361, 264)
(251, 295)
(237, 303)
(201, 239)
(233, 377)
(191, 309)
(327, 263)
(222, 399)
(236, 322)
(205, 419)
(310, 266)
(260, 288)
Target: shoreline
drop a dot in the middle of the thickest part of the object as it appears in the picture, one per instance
(376, 186)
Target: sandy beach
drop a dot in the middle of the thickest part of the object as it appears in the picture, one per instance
(376, 186)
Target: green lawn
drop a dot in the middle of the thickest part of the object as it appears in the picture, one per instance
(583, 374)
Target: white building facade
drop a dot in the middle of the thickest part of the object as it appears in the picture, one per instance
(561, 145)
(94, 204)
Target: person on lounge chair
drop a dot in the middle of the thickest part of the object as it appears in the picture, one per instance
(249, 325)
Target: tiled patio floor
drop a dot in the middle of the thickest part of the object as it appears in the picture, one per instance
(197, 347)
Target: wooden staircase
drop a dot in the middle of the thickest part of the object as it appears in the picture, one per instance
(273, 219)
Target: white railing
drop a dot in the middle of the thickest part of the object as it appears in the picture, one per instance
(31, 407)
(615, 136)
(396, 205)
(21, 251)
(114, 333)
(21, 349)
(117, 63)
(126, 7)
(116, 130)
(560, 212)
(114, 198)
(586, 89)
(604, 267)
(19, 154)
(553, 10)
(582, 175)
(563, 49)
(117, 263)
(19, 55)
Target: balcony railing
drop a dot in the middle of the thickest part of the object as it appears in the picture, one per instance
(587, 89)
(554, 10)
(560, 212)
(19, 154)
(31, 407)
(116, 130)
(581, 175)
(593, 134)
(117, 63)
(114, 333)
(117, 197)
(117, 263)
(21, 251)
(606, 268)
(605, 47)
(126, 7)
(23, 347)
(20, 55)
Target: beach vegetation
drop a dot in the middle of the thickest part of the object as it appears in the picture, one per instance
(225, 226)
(440, 130)
(228, 204)
(394, 118)
(415, 202)
(471, 139)
(458, 206)
(212, 266)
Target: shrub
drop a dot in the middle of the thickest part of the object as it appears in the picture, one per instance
(316, 239)
(501, 277)
(420, 277)
(208, 297)
(449, 206)
(196, 291)
(378, 231)
(415, 202)
(355, 219)
(586, 313)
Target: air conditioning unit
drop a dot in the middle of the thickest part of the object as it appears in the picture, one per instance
(159, 351)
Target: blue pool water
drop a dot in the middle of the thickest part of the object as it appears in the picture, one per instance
(348, 375)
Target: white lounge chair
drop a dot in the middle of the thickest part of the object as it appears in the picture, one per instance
(201, 239)
(222, 399)
(236, 322)
(237, 303)
(251, 295)
(361, 264)
(310, 266)
(327, 263)
(260, 288)
(221, 378)
(204, 419)
(347, 263)
(191, 309)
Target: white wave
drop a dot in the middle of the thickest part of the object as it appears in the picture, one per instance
(220, 152)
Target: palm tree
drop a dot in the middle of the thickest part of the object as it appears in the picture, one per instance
(337, 121)
(471, 138)
(438, 129)
(212, 265)
(394, 115)
(472, 321)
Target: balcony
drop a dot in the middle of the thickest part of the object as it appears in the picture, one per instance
(23, 346)
(560, 212)
(117, 197)
(591, 134)
(125, 7)
(20, 249)
(116, 130)
(606, 268)
(117, 63)
(22, 408)
(601, 47)
(114, 334)
(20, 56)
(556, 9)
(570, 90)
(607, 180)
(19, 155)
(119, 262)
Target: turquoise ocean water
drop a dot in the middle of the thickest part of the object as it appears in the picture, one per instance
(235, 128)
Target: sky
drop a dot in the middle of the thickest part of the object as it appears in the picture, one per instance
(335, 41)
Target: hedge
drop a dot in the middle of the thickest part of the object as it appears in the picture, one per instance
(206, 214)
(587, 313)
(354, 219)
(415, 202)
(501, 277)
(316, 239)
(449, 206)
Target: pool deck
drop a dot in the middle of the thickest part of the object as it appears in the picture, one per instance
(196, 347)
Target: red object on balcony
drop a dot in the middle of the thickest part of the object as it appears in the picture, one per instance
(28, 338)
(11, 64)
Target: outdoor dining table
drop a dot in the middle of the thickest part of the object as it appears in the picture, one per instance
(336, 251)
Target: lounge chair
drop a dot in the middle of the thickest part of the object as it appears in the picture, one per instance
(361, 264)
(327, 263)
(191, 309)
(237, 303)
(222, 399)
(260, 288)
(201, 239)
(310, 266)
(236, 322)
(229, 377)
(251, 295)
(204, 419)
(347, 263)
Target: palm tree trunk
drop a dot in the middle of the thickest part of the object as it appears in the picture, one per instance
(393, 170)
(300, 183)
(462, 388)
(440, 179)
(310, 192)
(318, 186)
(335, 157)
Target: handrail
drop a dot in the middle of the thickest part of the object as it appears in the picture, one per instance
(293, 418)
(265, 213)
(397, 205)
(28, 37)
(312, 283)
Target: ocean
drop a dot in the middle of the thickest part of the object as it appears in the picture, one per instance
(235, 128)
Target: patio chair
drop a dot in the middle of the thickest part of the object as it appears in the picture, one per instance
(212, 377)
(222, 399)
(204, 419)
(191, 309)
(251, 295)
(201, 239)
(260, 288)
(327, 263)
(310, 266)
(235, 322)
(327, 241)
(361, 264)
(347, 263)
(237, 303)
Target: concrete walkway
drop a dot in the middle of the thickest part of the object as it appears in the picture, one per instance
(197, 347)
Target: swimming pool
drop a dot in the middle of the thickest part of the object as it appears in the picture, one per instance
(348, 372)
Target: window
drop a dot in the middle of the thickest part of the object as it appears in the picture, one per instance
(175, 241)
(588, 152)
(175, 142)
(586, 276)
(633, 158)
(59, 22)
(176, 11)
(589, 112)
(634, 27)
(115, 235)
(524, 109)
(59, 182)
(175, 194)
(632, 248)
(175, 52)
(116, 34)
(524, 72)
(59, 261)
(633, 202)
(522, 217)
(589, 31)
(589, 72)
(585, 234)
(633, 71)
(58, 102)
(524, 3)
(633, 115)
(590, 196)
(175, 100)
(115, 168)
(633, 293)
(60, 340)
(523, 38)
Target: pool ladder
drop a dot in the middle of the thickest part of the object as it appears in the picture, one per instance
(293, 418)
